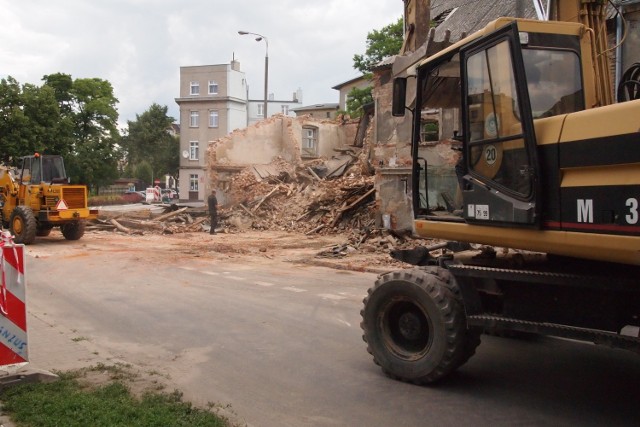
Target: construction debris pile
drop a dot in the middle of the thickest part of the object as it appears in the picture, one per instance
(300, 199)
(333, 197)
(173, 220)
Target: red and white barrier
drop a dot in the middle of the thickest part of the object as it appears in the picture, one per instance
(14, 348)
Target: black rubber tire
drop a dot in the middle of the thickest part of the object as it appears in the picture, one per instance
(415, 327)
(473, 334)
(23, 225)
(43, 230)
(73, 230)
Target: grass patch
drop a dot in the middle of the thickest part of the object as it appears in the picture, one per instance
(71, 402)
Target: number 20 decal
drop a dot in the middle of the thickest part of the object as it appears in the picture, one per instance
(490, 154)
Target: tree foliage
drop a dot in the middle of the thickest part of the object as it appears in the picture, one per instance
(74, 118)
(26, 115)
(149, 147)
(380, 44)
(357, 99)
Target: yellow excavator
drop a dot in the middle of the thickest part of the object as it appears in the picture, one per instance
(40, 197)
(539, 220)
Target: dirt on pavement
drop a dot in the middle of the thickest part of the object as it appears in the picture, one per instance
(250, 246)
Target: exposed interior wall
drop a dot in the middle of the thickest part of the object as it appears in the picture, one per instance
(390, 153)
(276, 138)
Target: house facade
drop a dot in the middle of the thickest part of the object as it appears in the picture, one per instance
(360, 82)
(213, 102)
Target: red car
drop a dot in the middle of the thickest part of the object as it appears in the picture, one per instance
(133, 196)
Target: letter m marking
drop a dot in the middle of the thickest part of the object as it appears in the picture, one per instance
(585, 210)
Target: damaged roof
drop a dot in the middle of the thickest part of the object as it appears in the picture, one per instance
(465, 17)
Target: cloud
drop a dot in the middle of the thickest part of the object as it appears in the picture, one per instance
(140, 45)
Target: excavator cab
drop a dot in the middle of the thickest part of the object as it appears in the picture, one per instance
(479, 95)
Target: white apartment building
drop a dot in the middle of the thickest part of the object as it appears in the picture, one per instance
(274, 106)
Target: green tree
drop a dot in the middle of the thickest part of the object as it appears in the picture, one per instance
(143, 171)
(148, 140)
(380, 44)
(86, 133)
(74, 118)
(357, 99)
(27, 116)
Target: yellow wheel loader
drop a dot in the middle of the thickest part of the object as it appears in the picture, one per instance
(540, 221)
(39, 198)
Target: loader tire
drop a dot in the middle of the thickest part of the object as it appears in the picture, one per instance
(73, 230)
(415, 326)
(23, 225)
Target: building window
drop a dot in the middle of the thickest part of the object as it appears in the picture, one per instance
(195, 88)
(193, 150)
(309, 141)
(193, 182)
(429, 131)
(213, 88)
(193, 119)
(213, 119)
(285, 110)
(328, 114)
(260, 109)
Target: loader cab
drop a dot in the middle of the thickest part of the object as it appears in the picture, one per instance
(38, 168)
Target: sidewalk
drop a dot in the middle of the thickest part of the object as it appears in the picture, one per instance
(52, 349)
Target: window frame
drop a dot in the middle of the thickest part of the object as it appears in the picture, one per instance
(309, 143)
(212, 114)
(194, 150)
(212, 85)
(194, 119)
(194, 88)
(193, 182)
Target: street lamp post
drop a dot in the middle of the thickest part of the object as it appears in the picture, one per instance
(260, 37)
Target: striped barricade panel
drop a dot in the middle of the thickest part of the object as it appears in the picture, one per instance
(13, 311)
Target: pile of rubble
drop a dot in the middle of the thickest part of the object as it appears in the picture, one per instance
(299, 199)
(173, 220)
(310, 198)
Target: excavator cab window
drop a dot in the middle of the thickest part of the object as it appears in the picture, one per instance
(554, 81)
(438, 153)
(500, 184)
(497, 149)
(482, 164)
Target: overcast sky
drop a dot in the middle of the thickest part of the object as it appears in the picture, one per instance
(140, 45)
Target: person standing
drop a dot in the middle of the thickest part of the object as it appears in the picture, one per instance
(212, 201)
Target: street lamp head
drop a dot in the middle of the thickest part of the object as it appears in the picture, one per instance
(259, 38)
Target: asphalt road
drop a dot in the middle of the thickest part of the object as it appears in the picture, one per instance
(281, 344)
